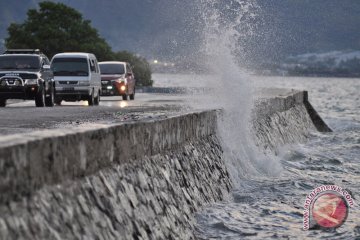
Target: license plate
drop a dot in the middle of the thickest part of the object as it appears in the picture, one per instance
(68, 89)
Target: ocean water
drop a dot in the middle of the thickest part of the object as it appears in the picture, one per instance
(269, 190)
(271, 207)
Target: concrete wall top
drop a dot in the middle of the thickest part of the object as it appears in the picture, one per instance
(29, 161)
(274, 100)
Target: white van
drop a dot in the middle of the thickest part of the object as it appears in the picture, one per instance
(77, 77)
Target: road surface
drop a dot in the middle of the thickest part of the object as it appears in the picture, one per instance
(23, 116)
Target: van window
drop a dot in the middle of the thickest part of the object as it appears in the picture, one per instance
(70, 67)
(96, 66)
(92, 65)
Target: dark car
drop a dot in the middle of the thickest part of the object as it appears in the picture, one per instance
(117, 79)
(25, 74)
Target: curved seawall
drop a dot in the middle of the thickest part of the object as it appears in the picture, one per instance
(283, 117)
(142, 180)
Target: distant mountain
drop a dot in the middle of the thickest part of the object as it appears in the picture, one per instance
(335, 63)
(332, 59)
(170, 29)
(301, 26)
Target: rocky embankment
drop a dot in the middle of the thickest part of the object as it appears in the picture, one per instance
(137, 180)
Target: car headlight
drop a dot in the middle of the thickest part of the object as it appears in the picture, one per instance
(31, 81)
(18, 83)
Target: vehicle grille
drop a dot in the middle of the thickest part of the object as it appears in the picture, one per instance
(20, 75)
(68, 82)
(11, 82)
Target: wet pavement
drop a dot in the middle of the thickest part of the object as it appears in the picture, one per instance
(24, 117)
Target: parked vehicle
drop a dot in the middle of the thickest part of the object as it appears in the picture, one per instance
(117, 78)
(77, 77)
(25, 74)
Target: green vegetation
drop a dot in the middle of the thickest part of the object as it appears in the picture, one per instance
(140, 66)
(56, 28)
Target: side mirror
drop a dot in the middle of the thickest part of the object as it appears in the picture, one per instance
(46, 67)
(129, 74)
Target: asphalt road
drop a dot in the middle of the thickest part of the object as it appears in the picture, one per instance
(23, 116)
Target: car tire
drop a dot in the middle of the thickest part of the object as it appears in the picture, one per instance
(2, 102)
(132, 96)
(124, 97)
(91, 99)
(49, 101)
(40, 98)
(97, 99)
(58, 102)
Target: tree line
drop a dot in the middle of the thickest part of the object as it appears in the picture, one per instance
(56, 27)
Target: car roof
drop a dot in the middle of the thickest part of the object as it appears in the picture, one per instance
(75, 55)
(23, 51)
(22, 54)
(112, 62)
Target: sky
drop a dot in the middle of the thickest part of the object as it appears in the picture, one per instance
(171, 29)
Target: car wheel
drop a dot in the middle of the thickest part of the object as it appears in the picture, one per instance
(2, 102)
(91, 99)
(58, 101)
(40, 98)
(49, 101)
(125, 97)
(132, 96)
(97, 99)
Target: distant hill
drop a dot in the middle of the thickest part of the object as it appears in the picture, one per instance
(332, 59)
(171, 28)
(335, 63)
(302, 26)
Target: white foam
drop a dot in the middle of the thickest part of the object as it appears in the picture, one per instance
(231, 88)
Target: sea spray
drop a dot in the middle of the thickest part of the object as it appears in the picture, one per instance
(227, 25)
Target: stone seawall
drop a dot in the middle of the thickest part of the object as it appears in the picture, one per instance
(28, 162)
(141, 180)
(131, 181)
(154, 197)
(284, 119)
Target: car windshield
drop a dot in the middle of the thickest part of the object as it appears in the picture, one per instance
(70, 67)
(112, 68)
(11, 62)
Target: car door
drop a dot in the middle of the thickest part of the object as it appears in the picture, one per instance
(98, 76)
(130, 79)
(92, 73)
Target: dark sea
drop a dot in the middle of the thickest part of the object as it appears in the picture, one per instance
(264, 207)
